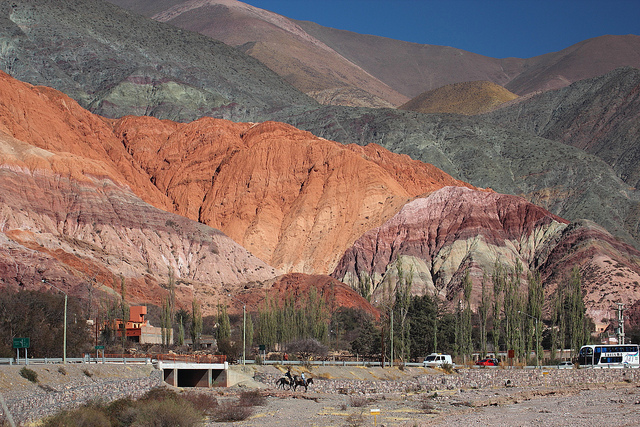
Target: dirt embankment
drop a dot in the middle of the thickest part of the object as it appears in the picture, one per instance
(63, 386)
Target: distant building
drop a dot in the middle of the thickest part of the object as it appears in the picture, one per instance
(138, 329)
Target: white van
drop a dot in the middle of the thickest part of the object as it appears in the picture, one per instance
(437, 360)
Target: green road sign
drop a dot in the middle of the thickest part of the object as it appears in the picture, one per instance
(99, 347)
(21, 343)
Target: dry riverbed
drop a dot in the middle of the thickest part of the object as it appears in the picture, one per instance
(590, 404)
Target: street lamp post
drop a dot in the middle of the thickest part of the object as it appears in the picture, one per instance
(537, 337)
(244, 329)
(64, 340)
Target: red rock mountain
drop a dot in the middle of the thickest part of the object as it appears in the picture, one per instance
(68, 213)
(84, 200)
(437, 238)
(84, 211)
(294, 200)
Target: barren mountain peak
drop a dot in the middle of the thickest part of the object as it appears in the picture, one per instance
(463, 98)
(275, 19)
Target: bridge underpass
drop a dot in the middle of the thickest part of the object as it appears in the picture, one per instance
(180, 374)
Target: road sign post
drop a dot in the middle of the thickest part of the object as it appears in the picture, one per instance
(19, 343)
(98, 349)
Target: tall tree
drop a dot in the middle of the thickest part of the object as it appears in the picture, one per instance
(124, 311)
(467, 327)
(267, 323)
(196, 323)
(483, 312)
(224, 326)
(498, 279)
(535, 302)
(578, 324)
(512, 307)
(166, 324)
(183, 319)
(401, 306)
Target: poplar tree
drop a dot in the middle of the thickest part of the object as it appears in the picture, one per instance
(402, 305)
(224, 326)
(267, 323)
(498, 279)
(124, 311)
(578, 327)
(467, 329)
(535, 302)
(483, 312)
(196, 323)
(166, 324)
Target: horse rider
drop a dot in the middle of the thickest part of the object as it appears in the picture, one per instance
(288, 375)
(304, 380)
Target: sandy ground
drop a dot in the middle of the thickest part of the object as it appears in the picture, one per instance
(614, 405)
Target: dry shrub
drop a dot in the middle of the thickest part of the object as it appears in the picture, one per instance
(121, 412)
(355, 420)
(168, 412)
(252, 398)
(427, 407)
(160, 393)
(203, 402)
(358, 401)
(86, 416)
(231, 411)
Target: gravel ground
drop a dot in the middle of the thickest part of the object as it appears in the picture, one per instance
(346, 396)
(611, 405)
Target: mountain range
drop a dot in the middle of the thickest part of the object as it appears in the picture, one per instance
(145, 177)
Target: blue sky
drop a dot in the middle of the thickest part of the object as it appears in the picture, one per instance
(497, 28)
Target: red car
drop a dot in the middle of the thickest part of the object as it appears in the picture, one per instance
(488, 362)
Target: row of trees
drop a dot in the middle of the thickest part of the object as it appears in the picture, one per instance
(508, 316)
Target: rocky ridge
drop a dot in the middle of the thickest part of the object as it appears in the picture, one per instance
(562, 179)
(436, 239)
(114, 63)
(600, 116)
(76, 222)
(294, 200)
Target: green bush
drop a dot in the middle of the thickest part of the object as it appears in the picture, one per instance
(29, 374)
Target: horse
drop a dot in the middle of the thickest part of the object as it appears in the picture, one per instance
(299, 383)
(283, 382)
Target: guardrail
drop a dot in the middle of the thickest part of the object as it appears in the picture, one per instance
(73, 360)
(148, 359)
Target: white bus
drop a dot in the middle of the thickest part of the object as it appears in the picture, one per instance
(609, 356)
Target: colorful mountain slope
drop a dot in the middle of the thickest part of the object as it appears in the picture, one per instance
(436, 239)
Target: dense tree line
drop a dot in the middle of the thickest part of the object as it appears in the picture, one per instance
(39, 316)
(508, 316)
